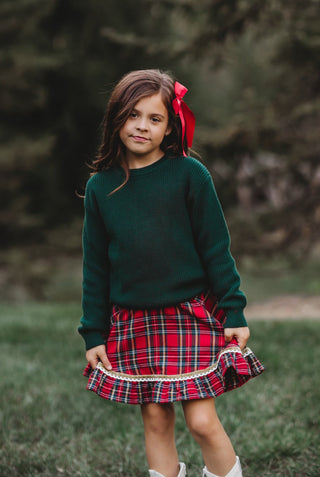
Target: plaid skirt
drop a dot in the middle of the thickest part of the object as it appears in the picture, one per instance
(171, 354)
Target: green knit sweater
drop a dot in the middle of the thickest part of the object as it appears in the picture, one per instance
(160, 240)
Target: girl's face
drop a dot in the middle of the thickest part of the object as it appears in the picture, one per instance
(144, 130)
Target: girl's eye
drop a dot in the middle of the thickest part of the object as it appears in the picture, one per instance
(155, 120)
(133, 115)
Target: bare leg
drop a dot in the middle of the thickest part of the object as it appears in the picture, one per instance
(206, 428)
(162, 456)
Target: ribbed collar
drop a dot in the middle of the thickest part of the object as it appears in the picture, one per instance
(151, 167)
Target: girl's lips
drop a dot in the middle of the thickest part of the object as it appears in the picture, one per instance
(140, 138)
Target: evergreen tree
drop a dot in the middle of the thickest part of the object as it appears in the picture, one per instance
(252, 68)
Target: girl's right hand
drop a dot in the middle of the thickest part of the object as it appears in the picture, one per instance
(96, 354)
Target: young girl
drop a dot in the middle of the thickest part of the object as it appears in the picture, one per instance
(162, 310)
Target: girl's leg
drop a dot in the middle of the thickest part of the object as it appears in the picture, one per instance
(206, 428)
(159, 420)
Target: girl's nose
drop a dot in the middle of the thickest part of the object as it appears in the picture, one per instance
(142, 125)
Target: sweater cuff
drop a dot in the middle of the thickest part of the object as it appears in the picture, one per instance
(92, 338)
(235, 319)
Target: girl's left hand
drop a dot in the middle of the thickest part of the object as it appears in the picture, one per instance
(240, 334)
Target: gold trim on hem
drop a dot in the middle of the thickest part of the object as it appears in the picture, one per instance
(173, 377)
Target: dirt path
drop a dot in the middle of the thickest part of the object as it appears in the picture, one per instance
(285, 307)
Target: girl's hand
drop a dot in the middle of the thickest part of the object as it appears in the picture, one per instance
(96, 354)
(240, 334)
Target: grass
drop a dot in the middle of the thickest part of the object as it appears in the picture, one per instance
(263, 279)
(52, 426)
(53, 273)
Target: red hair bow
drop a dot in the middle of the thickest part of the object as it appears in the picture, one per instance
(186, 115)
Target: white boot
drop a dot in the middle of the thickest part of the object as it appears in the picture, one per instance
(234, 472)
(182, 471)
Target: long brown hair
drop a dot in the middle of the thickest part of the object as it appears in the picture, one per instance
(133, 87)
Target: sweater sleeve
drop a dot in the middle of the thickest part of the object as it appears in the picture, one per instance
(95, 287)
(213, 244)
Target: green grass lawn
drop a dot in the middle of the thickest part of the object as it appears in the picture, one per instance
(264, 279)
(52, 426)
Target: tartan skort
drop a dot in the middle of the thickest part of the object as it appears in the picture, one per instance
(171, 354)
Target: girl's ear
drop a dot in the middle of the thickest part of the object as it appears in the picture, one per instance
(168, 131)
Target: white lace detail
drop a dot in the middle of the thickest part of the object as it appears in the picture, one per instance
(174, 377)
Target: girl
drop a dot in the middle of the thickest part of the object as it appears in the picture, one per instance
(162, 310)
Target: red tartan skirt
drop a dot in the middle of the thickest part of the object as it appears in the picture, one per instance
(171, 354)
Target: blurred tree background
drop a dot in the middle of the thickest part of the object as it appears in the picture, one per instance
(253, 72)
